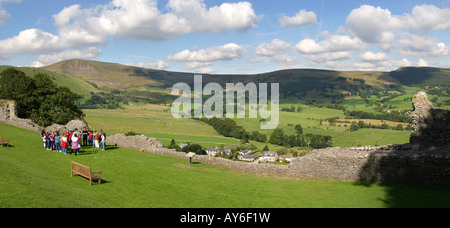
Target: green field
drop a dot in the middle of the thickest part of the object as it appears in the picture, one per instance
(205, 141)
(35, 178)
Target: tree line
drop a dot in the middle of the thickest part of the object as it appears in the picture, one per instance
(229, 128)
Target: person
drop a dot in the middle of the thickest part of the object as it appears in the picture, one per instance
(47, 141)
(44, 139)
(85, 136)
(57, 142)
(64, 144)
(103, 142)
(90, 138)
(52, 141)
(75, 143)
(96, 139)
(68, 138)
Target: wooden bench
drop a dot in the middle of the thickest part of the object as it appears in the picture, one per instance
(4, 142)
(86, 172)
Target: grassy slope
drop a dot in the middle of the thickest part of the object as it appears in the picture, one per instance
(33, 177)
(76, 85)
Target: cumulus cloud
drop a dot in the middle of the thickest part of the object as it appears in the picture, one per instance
(141, 19)
(369, 22)
(4, 16)
(227, 16)
(81, 28)
(87, 53)
(197, 65)
(421, 63)
(158, 65)
(370, 61)
(226, 52)
(302, 18)
(412, 44)
(30, 41)
(273, 48)
(374, 57)
(334, 43)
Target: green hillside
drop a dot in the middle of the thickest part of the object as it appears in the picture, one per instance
(132, 179)
(76, 85)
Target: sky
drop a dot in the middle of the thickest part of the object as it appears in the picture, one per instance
(228, 37)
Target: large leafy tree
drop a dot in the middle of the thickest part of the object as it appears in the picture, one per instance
(39, 98)
(15, 85)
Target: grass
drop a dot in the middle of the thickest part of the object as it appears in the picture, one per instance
(371, 137)
(35, 178)
(205, 141)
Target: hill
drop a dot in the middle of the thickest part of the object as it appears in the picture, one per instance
(120, 76)
(92, 76)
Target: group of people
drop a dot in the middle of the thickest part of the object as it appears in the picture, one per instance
(73, 140)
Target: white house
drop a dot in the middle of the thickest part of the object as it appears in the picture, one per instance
(268, 156)
(212, 151)
(247, 157)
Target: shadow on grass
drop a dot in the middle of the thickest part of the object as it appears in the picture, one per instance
(90, 150)
(420, 177)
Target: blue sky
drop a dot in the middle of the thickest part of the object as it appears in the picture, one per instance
(232, 36)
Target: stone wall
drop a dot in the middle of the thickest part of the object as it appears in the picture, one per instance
(431, 126)
(8, 115)
(393, 163)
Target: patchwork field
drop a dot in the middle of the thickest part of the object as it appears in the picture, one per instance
(132, 179)
(155, 121)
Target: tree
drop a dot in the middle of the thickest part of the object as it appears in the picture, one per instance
(266, 148)
(277, 137)
(399, 127)
(39, 98)
(15, 85)
(261, 138)
(354, 127)
(299, 129)
(172, 143)
(194, 148)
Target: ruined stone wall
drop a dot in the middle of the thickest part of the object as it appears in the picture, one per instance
(8, 115)
(431, 126)
(391, 164)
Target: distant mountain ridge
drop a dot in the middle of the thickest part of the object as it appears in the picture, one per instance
(122, 76)
(98, 76)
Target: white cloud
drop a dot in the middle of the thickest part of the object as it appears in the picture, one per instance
(330, 56)
(302, 18)
(4, 16)
(87, 53)
(141, 19)
(429, 17)
(30, 41)
(158, 65)
(227, 16)
(196, 65)
(369, 22)
(334, 43)
(412, 44)
(284, 58)
(379, 62)
(226, 52)
(273, 48)
(421, 63)
(374, 57)
(204, 70)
